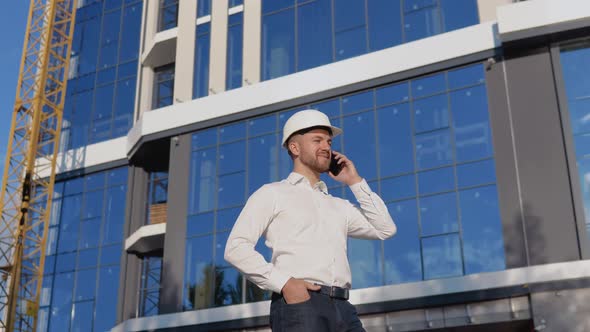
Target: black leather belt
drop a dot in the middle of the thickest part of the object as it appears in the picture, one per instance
(334, 292)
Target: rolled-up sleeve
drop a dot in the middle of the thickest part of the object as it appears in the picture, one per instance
(249, 227)
(370, 219)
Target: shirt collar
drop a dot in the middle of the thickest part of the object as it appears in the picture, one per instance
(297, 179)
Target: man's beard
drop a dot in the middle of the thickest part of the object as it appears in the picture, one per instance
(315, 163)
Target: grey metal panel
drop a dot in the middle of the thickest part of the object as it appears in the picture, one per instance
(565, 310)
(130, 267)
(175, 239)
(584, 241)
(506, 172)
(550, 226)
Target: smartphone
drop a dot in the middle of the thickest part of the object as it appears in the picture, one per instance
(334, 167)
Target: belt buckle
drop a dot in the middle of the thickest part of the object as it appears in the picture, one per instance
(332, 291)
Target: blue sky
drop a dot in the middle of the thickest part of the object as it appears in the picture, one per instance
(13, 21)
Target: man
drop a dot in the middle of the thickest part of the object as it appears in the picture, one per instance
(307, 231)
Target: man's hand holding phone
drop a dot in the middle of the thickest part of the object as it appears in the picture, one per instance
(342, 169)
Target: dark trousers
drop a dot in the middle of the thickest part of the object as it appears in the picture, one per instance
(320, 313)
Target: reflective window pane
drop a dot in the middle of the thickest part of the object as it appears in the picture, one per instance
(422, 23)
(402, 252)
(428, 85)
(269, 6)
(396, 154)
(438, 214)
(204, 138)
(349, 14)
(262, 125)
(472, 174)
(458, 14)
(398, 188)
(359, 145)
(574, 63)
(278, 44)
(200, 224)
(392, 94)
(357, 102)
(226, 218)
(473, 137)
(482, 230)
(232, 157)
(314, 37)
(351, 43)
(431, 113)
(228, 286)
(82, 314)
(234, 52)
(203, 171)
(436, 181)
(85, 285)
(384, 28)
(262, 162)
(231, 190)
(201, 61)
(106, 298)
(442, 256)
(204, 8)
(199, 273)
(466, 76)
(365, 259)
(434, 149)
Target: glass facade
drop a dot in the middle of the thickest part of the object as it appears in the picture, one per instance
(168, 18)
(103, 70)
(84, 251)
(203, 8)
(235, 37)
(149, 286)
(575, 61)
(163, 86)
(423, 144)
(201, 62)
(299, 35)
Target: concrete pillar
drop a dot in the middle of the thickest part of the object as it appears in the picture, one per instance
(185, 51)
(487, 9)
(146, 74)
(218, 51)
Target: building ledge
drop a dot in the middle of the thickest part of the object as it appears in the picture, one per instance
(322, 82)
(161, 50)
(146, 239)
(518, 282)
(85, 157)
(530, 19)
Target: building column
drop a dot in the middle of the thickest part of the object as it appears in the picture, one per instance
(130, 264)
(145, 77)
(185, 51)
(218, 51)
(561, 310)
(175, 240)
(487, 9)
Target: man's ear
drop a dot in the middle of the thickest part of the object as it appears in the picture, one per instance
(293, 147)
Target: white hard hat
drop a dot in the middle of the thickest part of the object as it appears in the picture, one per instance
(307, 119)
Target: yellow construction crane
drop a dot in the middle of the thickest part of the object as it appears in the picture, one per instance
(29, 171)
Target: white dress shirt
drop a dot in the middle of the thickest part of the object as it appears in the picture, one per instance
(306, 229)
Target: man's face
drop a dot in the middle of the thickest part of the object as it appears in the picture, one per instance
(314, 149)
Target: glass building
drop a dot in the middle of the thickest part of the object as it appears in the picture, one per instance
(468, 117)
